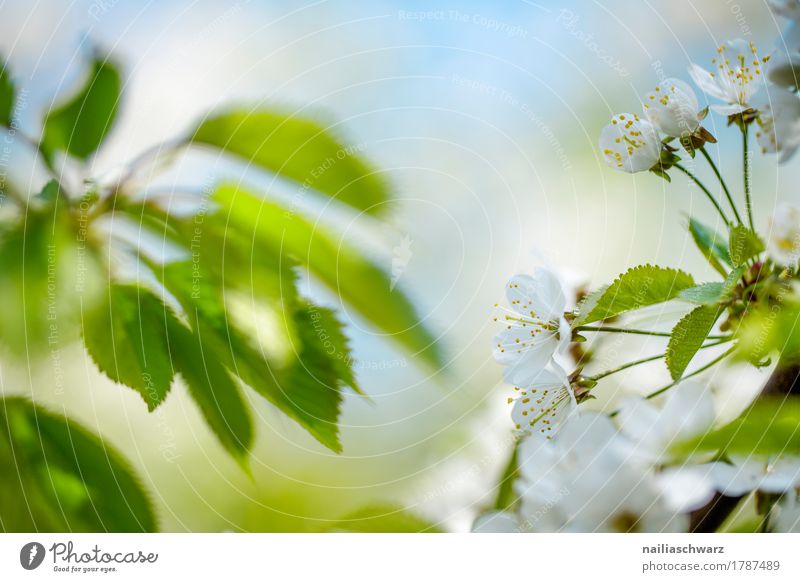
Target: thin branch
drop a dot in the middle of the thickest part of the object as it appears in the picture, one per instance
(714, 167)
(699, 370)
(645, 360)
(708, 194)
(746, 163)
(637, 331)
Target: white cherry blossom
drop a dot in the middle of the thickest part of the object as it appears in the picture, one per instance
(737, 73)
(779, 121)
(787, 513)
(535, 327)
(496, 522)
(673, 108)
(589, 479)
(787, 8)
(687, 411)
(542, 407)
(784, 70)
(756, 473)
(630, 144)
(783, 243)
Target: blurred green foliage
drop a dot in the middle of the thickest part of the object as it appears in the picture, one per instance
(222, 314)
(57, 476)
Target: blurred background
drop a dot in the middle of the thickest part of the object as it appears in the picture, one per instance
(484, 116)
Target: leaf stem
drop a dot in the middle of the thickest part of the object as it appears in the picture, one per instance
(699, 370)
(623, 330)
(644, 361)
(637, 331)
(746, 165)
(708, 194)
(714, 167)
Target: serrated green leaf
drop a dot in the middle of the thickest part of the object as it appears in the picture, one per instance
(634, 289)
(79, 126)
(298, 149)
(713, 246)
(384, 519)
(308, 388)
(211, 386)
(711, 293)
(704, 294)
(7, 95)
(57, 476)
(330, 337)
(588, 303)
(127, 337)
(744, 245)
(226, 256)
(333, 260)
(768, 427)
(688, 336)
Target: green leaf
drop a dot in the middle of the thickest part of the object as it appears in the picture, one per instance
(770, 330)
(328, 334)
(744, 245)
(298, 149)
(212, 387)
(333, 260)
(79, 126)
(308, 388)
(505, 489)
(768, 427)
(57, 476)
(48, 274)
(688, 336)
(704, 294)
(713, 246)
(384, 519)
(127, 337)
(50, 193)
(634, 289)
(313, 383)
(7, 95)
(712, 293)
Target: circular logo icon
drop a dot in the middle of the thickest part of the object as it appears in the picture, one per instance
(31, 555)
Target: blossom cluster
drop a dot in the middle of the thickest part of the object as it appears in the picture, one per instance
(581, 470)
(604, 475)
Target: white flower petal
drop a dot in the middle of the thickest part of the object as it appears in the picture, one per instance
(784, 71)
(730, 109)
(549, 301)
(787, 514)
(685, 488)
(779, 123)
(706, 81)
(543, 407)
(781, 475)
(630, 144)
(735, 480)
(783, 243)
(786, 8)
(737, 75)
(529, 361)
(673, 108)
(496, 522)
(536, 460)
(688, 412)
